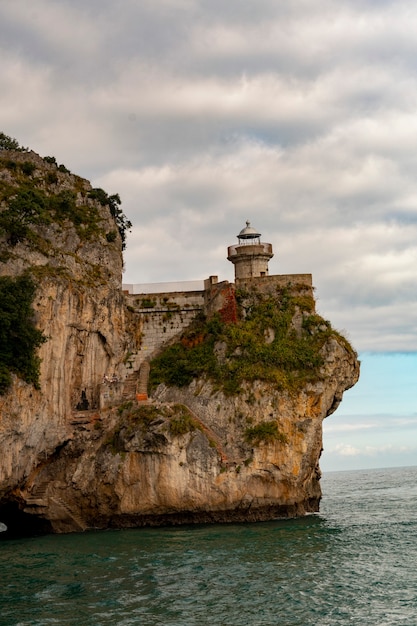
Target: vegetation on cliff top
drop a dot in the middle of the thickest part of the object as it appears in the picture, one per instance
(19, 338)
(9, 143)
(39, 192)
(264, 344)
(39, 200)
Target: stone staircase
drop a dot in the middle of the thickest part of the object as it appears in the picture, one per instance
(38, 499)
(143, 380)
(135, 385)
(38, 496)
(129, 387)
(85, 420)
(72, 514)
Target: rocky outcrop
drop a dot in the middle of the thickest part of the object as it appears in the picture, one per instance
(185, 458)
(79, 453)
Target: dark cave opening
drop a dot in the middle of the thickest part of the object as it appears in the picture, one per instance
(20, 524)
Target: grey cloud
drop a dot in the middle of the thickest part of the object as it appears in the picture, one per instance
(202, 114)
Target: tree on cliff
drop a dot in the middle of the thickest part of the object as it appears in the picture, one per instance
(8, 143)
(113, 202)
(28, 207)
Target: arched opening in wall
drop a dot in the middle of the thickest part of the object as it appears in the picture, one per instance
(20, 524)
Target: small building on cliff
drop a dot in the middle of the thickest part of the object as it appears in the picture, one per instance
(165, 310)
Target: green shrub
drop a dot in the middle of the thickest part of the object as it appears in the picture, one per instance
(287, 361)
(145, 422)
(51, 178)
(178, 365)
(147, 303)
(27, 205)
(145, 414)
(28, 167)
(51, 160)
(86, 219)
(305, 303)
(10, 165)
(265, 432)
(27, 208)
(126, 406)
(111, 236)
(5, 378)
(314, 323)
(30, 207)
(113, 202)
(19, 337)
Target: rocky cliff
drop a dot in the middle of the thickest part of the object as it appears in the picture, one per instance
(233, 429)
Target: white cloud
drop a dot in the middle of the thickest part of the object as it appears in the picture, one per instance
(348, 457)
(345, 450)
(346, 428)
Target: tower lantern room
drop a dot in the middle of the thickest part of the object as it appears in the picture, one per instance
(250, 256)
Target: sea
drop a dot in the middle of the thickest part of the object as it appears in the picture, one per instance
(355, 562)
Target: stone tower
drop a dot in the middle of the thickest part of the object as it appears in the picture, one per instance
(250, 257)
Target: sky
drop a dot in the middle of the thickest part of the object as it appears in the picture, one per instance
(300, 116)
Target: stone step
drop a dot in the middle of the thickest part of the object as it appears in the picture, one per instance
(79, 421)
(144, 378)
(85, 418)
(34, 501)
(130, 384)
(129, 390)
(39, 490)
(73, 514)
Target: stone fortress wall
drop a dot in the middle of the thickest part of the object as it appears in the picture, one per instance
(163, 316)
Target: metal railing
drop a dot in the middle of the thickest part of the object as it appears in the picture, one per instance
(265, 248)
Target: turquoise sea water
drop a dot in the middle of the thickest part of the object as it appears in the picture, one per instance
(354, 563)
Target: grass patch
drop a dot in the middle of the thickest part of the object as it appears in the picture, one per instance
(147, 303)
(265, 432)
(182, 423)
(132, 419)
(149, 422)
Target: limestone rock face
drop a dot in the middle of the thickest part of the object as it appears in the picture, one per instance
(86, 339)
(79, 306)
(137, 467)
(82, 454)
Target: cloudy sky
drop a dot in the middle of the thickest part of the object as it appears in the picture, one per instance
(300, 116)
